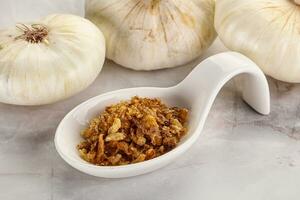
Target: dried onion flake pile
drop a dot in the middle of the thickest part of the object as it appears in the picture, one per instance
(132, 131)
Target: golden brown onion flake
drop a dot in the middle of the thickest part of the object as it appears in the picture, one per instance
(132, 131)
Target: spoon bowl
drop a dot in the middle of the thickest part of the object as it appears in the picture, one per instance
(196, 93)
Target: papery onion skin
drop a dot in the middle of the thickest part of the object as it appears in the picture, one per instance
(266, 31)
(46, 72)
(154, 34)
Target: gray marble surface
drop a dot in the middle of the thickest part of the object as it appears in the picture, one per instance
(240, 154)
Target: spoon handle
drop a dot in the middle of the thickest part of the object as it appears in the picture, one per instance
(210, 75)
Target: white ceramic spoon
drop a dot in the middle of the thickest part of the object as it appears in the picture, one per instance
(196, 92)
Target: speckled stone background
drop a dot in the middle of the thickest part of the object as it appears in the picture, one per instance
(240, 154)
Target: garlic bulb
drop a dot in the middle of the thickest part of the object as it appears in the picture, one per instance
(49, 60)
(153, 34)
(266, 31)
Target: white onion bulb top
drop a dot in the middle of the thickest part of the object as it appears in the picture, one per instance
(266, 31)
(154, 34)
(62, 62)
